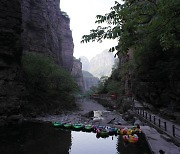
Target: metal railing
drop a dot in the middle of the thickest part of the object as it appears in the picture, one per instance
(165, 126)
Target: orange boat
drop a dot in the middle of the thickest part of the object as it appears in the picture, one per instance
(130, 138)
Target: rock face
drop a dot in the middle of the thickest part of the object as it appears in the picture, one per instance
(100, 65)
(29, 26)
(77, 73)
(89, 80)
(12, 89)
(46, 30)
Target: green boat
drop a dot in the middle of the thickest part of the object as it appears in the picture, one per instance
(88, 128)
(103, 133)
(78, 127)
(57, 124)
(67, 125)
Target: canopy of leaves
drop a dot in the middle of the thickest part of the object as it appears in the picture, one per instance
(133, 21)
(151, 29)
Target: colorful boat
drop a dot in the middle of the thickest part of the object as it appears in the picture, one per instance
(123, 131)
(112, 131)
(97, 128)
(136, 130)
(130, 138)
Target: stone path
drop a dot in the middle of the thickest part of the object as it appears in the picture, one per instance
(161, 122)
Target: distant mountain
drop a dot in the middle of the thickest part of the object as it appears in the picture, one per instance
(89, 80)
(101, 64)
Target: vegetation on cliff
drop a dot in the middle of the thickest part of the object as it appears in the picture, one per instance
(148, 46)
(49, 85)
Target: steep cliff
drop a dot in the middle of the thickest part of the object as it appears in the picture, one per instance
(77, 73)
(46, 30)
(99, 65)
(29, 26)
(12, 89)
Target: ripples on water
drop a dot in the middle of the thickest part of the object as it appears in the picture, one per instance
(38, 138)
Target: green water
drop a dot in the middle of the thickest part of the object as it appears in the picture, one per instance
(41, 138)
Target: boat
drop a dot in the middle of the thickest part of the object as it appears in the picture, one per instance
(67, 125)
(78, 127)
(112, 131)
(136, 130)
(97, 128)
(130, 138)
(102, 133)
(123, 131)
(88, 128)
(57, 124)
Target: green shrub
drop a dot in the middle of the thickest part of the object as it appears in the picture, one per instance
(47, 81)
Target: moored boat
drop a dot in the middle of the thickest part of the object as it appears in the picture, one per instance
(102, 133)
(78, 127)
(130, 138)
(57, 124)
(112, 131)
(88, 128)
(67, 125)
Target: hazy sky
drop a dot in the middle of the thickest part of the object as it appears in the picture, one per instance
(82, 15)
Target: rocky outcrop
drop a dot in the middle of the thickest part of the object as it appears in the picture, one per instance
(12, 89)
(77, 73)
(46, 30)
(89, 80)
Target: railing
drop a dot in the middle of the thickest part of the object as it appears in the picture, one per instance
(168, 127)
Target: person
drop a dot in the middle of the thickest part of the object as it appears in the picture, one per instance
(138, 126)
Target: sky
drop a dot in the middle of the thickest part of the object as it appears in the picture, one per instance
(82, 15)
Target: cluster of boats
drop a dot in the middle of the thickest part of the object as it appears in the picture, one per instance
(128, 134)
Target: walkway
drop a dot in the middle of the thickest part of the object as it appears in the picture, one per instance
(166, 126)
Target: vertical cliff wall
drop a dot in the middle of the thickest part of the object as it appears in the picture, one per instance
(46, 30)
(11, 78)
(77, 73)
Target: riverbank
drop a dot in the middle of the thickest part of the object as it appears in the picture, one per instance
(85, 115)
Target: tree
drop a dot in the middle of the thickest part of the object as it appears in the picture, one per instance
(151, 29)
(131, 24)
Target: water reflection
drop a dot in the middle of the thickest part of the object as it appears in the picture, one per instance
(36, 138)
(141, 147)
(31, 138)
(87, 143)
